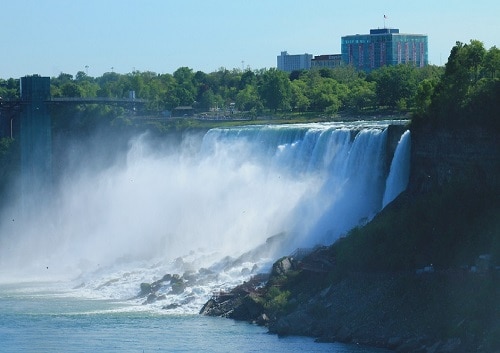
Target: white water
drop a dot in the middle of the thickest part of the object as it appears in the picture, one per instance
(105, 232)
(399, 174)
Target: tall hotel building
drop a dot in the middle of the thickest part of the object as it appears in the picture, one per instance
(289, 63)
(384, 47)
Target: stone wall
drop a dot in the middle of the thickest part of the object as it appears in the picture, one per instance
(444, 155)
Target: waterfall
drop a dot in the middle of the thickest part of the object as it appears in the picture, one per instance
(397, 181)
(343, 166)
(186, 207)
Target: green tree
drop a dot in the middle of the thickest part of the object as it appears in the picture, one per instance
(62, 79)
(185, 89)
(463, 68)
(347, 74)
(299, 100)
(109, 84)
(247, 78)
(248, 99)
(425, 91)
(159, 93)
(70, 89)
(361, 95)
(208, 100)
(482, 104)
(276, 90)
(184, 95)
(491, 64)
(82, 76)
(395, 84)
(9, 89)
(327, 95)
(469, 88)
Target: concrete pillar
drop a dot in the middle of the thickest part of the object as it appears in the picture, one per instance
(35, 135)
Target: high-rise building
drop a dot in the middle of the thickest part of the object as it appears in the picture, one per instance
(384, 47)
(289, 63)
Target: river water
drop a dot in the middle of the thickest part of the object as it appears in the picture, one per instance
(38, 318)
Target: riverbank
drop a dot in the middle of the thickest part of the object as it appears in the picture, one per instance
(438, 312)
(441, 311)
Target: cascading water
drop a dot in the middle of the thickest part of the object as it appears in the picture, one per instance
(399, 174)
(201, 214)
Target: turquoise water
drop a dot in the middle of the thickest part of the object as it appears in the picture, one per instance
(42, 321)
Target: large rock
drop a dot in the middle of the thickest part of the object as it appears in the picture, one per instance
(241, 303)
(283, 266)
(178, 285)
(145, 290)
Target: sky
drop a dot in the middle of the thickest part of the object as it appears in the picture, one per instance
(49, 37)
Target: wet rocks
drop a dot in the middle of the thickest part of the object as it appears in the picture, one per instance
(145, 290)
(178, 285)
(153, 297)
(283, 266)
(151, 290)
(241, 303)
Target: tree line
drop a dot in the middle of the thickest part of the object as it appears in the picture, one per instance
(468, 82)
(468, 91)
(255, 92)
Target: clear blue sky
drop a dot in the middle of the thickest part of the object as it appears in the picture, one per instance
(48, 37)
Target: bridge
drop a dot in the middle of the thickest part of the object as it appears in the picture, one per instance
(12, 108)
(8, 106)
(34, 125)
(98, 100)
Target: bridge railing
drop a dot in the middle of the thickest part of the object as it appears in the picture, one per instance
(96, 100)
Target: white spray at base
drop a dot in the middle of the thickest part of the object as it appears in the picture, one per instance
(205, 216)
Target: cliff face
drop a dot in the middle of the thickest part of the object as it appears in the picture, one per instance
(439, 156)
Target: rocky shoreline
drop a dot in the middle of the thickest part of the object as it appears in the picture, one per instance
(403, 312)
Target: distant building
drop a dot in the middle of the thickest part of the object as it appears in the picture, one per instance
(289, 63)
(384, 47)
(329, 61)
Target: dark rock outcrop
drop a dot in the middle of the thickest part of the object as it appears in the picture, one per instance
(241, 303)
(438, 156)
(282, 266)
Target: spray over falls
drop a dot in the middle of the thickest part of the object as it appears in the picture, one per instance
(208, 215)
